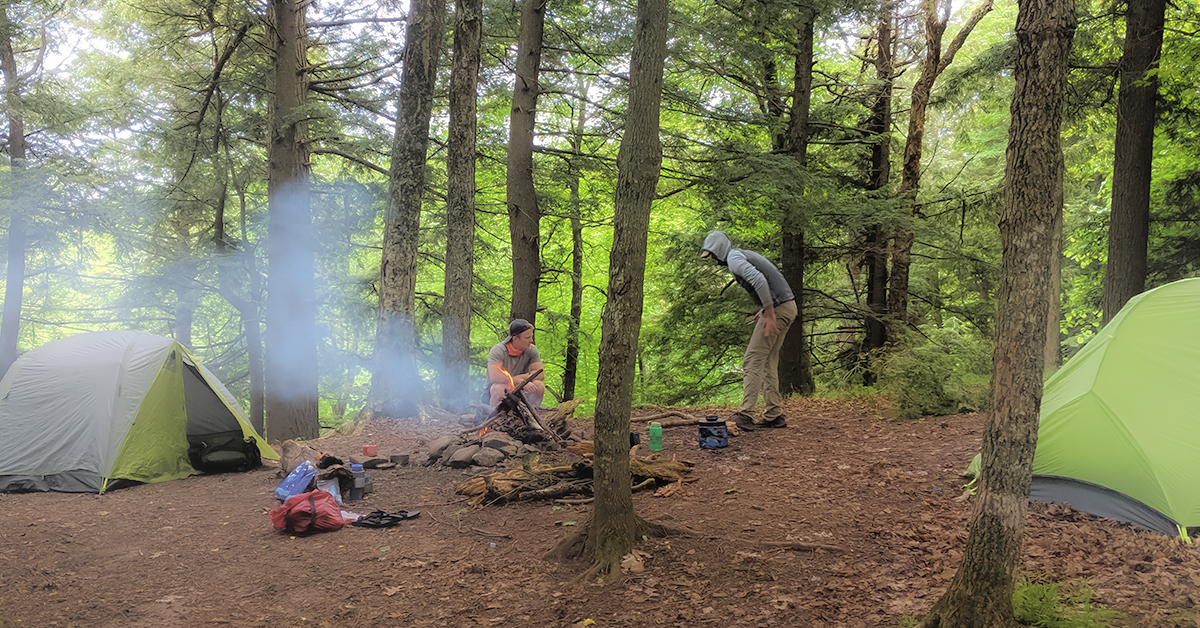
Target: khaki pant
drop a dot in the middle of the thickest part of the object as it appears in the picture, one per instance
(760, 365)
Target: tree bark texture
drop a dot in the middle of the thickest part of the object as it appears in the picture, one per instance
(1053, 351)
(876, 237)
(524, 216)
(395, 384)
(981, 592)
(460, 205)
(14, 280)
(291, 338)
(1133, 154)
(795, 363)
(613, 524)
(936, 62)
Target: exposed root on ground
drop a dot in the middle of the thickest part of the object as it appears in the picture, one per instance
(606, 560)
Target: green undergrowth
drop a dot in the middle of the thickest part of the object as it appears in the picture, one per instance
(931, 371)
(1053, 605)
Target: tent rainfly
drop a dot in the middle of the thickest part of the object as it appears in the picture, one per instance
(1119, 434)
(99, 410)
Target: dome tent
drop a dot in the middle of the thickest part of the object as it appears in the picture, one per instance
(97, 410)
(1119, 433)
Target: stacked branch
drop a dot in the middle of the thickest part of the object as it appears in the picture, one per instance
(533, 481)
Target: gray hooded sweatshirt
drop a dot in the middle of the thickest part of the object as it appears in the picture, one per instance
(754, 272)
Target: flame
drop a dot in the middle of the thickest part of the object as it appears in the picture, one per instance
(508, 375)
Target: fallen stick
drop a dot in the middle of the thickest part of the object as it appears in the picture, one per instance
(486, 533)
(575, 502)
(655, 417)
(689, 422)
(787, 545)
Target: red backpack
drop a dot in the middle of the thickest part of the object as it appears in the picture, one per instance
(314, 511)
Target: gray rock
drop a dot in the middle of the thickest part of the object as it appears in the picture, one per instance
(438, 447)
(488, 457)
(498, 440)
(461, 459)
(510, 451)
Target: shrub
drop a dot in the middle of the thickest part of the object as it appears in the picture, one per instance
(938, 371)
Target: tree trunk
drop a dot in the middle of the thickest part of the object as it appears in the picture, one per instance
(981, 592)
(460, 205)
(910, 178)
(251, 321)
(1133, 154)
(291, 343)
(875, 237)
(14, 279)
(248, 309)
(611, 533)
(795, 363)
(395, 385)
(1053, 352)
(571, 362)
(524, 215)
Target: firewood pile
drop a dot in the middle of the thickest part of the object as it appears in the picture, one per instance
(535, 481)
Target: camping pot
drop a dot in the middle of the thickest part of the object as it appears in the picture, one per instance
(713, 432)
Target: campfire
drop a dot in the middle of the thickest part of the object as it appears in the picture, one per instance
(515, 417)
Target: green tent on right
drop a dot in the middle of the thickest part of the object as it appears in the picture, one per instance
(1119, 433)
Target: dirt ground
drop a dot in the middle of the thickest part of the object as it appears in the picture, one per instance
(885, 495)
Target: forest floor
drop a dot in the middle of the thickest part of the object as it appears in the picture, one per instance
(885, 496)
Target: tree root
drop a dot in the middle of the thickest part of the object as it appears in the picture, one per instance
(605, 565)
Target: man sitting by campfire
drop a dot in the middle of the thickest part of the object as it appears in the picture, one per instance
(511, 361)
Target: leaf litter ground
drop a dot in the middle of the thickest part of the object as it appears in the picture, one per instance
(887, 495)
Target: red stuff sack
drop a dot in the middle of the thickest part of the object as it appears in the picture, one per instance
(314, 511)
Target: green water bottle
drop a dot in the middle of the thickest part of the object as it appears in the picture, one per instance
(656, 436)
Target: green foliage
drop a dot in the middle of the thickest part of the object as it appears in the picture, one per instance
(1051, 605)
(143, 153)
(1059, 605)
(936, 372)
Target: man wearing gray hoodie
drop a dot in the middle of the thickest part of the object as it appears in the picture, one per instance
(773, 295)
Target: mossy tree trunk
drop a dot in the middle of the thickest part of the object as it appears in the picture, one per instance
(395, 384)
(876, 236)
(460, 204)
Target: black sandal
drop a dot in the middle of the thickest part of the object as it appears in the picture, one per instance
(381, 519)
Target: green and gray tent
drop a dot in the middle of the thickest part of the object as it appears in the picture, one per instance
(1119, 434)
(97, 410)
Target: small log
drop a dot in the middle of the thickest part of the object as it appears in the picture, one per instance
(558, 490)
